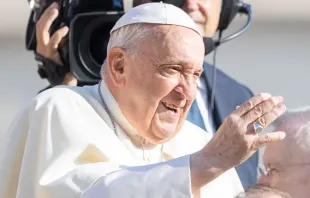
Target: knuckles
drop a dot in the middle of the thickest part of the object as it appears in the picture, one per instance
(258, 110)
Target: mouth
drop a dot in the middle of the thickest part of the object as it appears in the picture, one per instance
(171, 107)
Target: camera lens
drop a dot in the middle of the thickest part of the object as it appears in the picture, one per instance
(98, 45)
(93, 45)
(89, 37)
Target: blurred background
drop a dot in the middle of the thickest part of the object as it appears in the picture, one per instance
(272, 56)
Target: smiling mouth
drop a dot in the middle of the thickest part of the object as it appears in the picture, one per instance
(171, 107)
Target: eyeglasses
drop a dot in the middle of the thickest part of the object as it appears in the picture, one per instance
(267, 171)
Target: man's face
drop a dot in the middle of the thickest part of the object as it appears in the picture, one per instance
(205, 13)
(289, 165)
(161, 81)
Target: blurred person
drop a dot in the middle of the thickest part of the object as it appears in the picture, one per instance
(260, 191)
(287, 164)
(229, 93)
(124, 138)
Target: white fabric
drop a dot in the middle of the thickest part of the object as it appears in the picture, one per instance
(62, 146)
(156, 13)
(204, 106)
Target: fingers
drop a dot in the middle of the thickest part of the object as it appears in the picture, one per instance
(44, 23)
(251, 103)
(262, 108)
(271, 116)
(267, 139)
(56, 38)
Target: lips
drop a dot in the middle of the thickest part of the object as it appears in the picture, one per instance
(171, 107)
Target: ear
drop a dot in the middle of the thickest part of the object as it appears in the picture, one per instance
(116, 66)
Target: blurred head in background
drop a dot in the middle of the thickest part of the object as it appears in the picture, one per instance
(287, 163)
(205, 13)
(259, 191)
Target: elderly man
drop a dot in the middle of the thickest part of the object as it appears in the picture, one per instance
(260, 191)
(288, 163)
(127, 136)
(229, 93)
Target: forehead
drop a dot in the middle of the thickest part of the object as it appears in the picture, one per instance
(280, 153)
(288, 151)
(173, 43)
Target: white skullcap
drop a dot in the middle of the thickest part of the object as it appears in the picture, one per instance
(156, 13)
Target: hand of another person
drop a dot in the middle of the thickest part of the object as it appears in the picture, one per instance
(236, 140)
(47, 46)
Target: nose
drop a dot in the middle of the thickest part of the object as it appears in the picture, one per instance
(190, 5)
(187, 87)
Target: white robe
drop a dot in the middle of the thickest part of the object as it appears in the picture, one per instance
(62, 145)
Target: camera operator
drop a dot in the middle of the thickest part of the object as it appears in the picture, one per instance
(47, 45)
(229, 93)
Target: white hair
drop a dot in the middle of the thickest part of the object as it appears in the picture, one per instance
(302, 115)
(127, 38)
(297, 125)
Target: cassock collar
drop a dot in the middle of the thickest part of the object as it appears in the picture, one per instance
(119, 117)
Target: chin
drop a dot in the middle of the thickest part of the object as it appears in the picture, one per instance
(161, 133)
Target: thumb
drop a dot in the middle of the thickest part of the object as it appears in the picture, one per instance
(269, 138)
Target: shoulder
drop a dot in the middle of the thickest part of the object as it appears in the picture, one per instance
(189, 139)
(194, 132)
(64, 95)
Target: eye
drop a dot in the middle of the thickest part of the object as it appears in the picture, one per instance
(197, 75)
(272, 171)
(171, 71)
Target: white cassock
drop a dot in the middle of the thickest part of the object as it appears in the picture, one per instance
(63, 146)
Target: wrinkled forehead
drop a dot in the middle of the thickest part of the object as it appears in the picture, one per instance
(295, 148)
(173, 42)
(274, 154)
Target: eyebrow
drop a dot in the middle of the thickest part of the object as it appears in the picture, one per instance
(168, 60)
(273, 164)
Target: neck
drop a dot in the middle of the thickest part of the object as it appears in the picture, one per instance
(116, 115)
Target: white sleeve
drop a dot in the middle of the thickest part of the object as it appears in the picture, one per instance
(54, 152)
(170, 179)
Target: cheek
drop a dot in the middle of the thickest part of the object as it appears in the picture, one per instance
(301, 177)
(161, 87)
(149, 90)
(286, 181)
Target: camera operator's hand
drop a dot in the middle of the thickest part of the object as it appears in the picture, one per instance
(47, 45)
